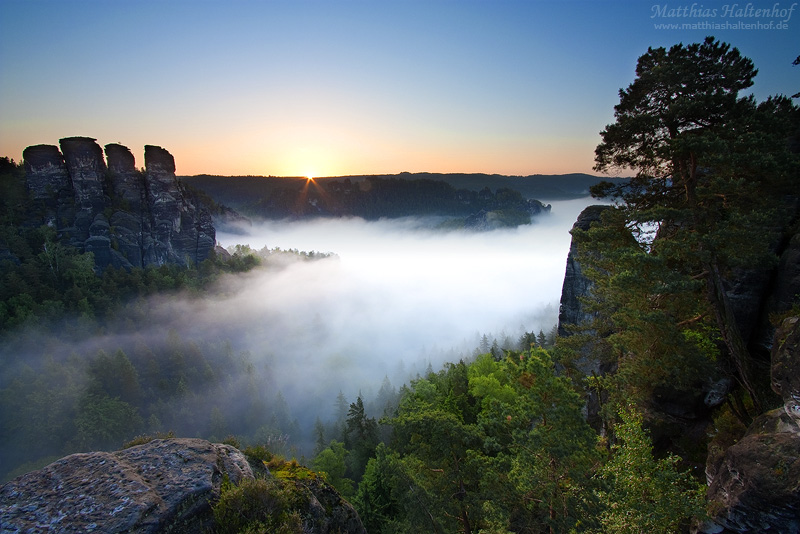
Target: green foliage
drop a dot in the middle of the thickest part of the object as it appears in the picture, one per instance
(233, 441)
(492, 446)
(331, 462)
(104, 422)
(650, 318)
(488, 380)
(256, 505)
(644, 494)
(713, 171)
(382, 494)
(32, 395)
(503, 446)
(146, 386)
(553, 446)
(361, 438)
(289, 470)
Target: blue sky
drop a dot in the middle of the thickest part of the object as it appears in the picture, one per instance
(343, 86)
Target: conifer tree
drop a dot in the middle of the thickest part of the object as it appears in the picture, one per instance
(712, 169)
(645, 494)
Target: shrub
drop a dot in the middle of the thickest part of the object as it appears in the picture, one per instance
(255, 505)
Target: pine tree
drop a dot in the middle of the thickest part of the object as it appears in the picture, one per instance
(645, 494)
(711, 172)
(541, 340)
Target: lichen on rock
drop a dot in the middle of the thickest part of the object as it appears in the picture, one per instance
(163, 485)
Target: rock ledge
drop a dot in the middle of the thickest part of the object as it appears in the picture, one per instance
(161, 486)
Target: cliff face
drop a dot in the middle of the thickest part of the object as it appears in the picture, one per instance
(576, 285)
(753, 485)
(175, 232)
(125, 217)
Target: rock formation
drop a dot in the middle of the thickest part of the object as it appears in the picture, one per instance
(48, 182)
(123, 216)
(161, 486)
(325, 512)
(576, 285)
(174, 232)
(753, 485)
(132, 223)
(145, 489)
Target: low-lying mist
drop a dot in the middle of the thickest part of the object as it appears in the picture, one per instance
(395, 297)
(397, 290)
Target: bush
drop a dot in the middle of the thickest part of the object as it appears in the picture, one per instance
(255, 505)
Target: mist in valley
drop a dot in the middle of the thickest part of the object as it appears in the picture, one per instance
(397, 297)
(265, 354)
(397, 291)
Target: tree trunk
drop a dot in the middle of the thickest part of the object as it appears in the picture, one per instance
(465, 520)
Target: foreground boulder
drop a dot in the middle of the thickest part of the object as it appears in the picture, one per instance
(161, 486)
(755, 484)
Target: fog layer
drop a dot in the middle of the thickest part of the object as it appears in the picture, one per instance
(396, 291)
(266, 353)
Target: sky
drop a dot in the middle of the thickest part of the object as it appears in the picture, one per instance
(335, 87)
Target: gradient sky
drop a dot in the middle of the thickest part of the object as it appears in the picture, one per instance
(348, 87)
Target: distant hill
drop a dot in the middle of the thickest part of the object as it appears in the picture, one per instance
(478, 203)
(387, 195)
(544, 187)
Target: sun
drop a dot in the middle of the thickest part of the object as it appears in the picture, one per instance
(310, 177)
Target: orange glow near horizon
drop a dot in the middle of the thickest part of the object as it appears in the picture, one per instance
(547, 156)
(254, 155)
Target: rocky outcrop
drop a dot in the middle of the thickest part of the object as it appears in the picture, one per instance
(131, 223)
(48, 183)
(785, 370)
(324, 511)
(755, 485)
(127, 183)
(782, 289)
(754, 294)
(90, 229)
(675, 414)
(125, 217)
(161, 486)
(576, 285)
(46, 172)
(175, 233)
(87, 171)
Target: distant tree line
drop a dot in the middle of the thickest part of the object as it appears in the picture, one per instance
(371, 198)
